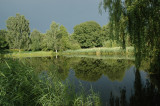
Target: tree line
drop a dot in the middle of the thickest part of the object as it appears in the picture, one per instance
(86, 35)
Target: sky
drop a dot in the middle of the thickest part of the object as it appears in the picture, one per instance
(41, 13)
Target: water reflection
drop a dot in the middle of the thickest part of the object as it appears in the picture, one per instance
(87, 69)
(143, 95)
(93, 69)
(118, 81)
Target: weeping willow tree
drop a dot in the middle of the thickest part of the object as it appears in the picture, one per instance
(140, 20)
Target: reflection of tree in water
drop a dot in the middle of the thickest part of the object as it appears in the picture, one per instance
(60, 65)
(85, 68)
(147, 95)
(137, 96)
(88, 69)
(155, 79)
(63, 65)
(115, 69)
(38, 64)
(92, 69)
(116, 101)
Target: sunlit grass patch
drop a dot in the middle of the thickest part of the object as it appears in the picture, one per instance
(30, 54)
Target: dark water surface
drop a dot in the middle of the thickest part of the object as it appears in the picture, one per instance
(118, 81)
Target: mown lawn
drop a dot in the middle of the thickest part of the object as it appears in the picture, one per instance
(30, 54)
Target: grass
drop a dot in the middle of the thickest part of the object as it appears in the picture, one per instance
(21, 86)
(101, 51)
(89, 51)
(30, 54)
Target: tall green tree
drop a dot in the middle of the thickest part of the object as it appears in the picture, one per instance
(52, 36)
(63, 38)
(18, 32)
(88, 34)
(62, 32)
(35, 40)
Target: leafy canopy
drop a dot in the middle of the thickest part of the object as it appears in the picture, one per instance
(88, 34)
(140, 20)
(35, 40)
(18, 32)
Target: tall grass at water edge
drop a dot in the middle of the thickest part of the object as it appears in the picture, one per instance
(102, 51)
(90, 51)
(20, 85)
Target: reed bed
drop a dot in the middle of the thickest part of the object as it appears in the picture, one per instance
(101, 51)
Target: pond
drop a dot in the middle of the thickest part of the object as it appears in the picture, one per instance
(116, 80)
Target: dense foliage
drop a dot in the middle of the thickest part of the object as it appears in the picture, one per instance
(52, 37)
(57, 38)
(88, 34)
(18, 32)
(139, 19)
(36, 39)
(19, 38)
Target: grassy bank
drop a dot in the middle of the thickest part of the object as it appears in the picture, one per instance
(90, 51)
(101, 51)
(30, 54)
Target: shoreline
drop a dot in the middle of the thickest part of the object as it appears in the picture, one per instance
(116, 51)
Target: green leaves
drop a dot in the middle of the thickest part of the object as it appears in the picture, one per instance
(35, 40)
(18, 32)
(51, 36)
(88, 34)
(57, 38)
(137, 20)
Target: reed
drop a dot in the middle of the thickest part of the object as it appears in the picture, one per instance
(101, 51)
(89, 51)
